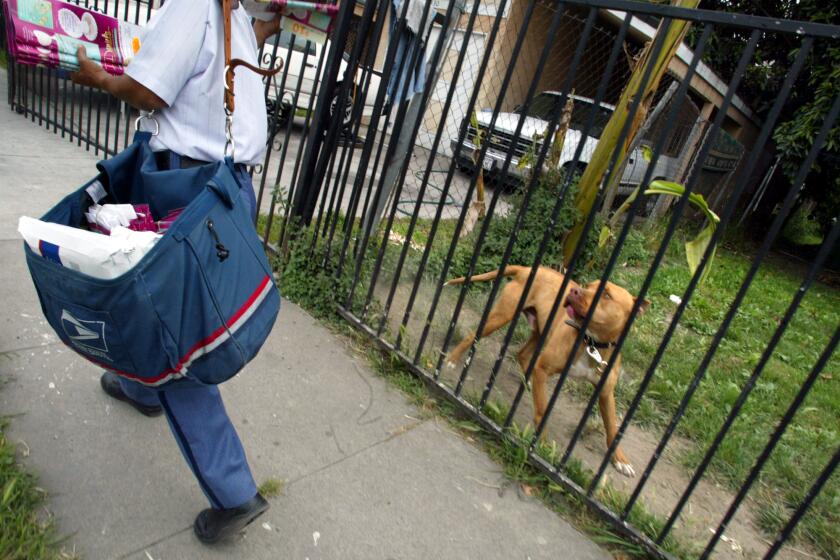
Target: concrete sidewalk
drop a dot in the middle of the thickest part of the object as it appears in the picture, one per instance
(366, 477)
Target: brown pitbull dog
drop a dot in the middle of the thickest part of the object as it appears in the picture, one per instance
(606, 325)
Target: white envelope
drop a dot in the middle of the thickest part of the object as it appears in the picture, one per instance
(94, 254)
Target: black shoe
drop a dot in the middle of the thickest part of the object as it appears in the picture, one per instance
(213, 525)
(111, 385)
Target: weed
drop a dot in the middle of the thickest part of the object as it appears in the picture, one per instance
(22, 533)
(272, 487)
(310, 275)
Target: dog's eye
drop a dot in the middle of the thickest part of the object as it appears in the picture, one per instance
(607, 295)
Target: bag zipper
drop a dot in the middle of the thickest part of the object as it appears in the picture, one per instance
(221, 250)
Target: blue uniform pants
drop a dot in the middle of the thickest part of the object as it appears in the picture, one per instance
(201, 426)
(207, 439)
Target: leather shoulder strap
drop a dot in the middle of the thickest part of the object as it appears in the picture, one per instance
(230, 64)
(227, 7)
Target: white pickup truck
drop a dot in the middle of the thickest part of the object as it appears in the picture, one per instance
(501, 139)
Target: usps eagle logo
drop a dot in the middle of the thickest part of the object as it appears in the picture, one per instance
(89, 336)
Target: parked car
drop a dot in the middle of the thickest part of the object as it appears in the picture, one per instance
(501, 140)
(302, 63)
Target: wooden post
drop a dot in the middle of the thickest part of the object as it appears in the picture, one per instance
(612, 188)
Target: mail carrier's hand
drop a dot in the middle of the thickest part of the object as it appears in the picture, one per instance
(89, 73)
(265, 29)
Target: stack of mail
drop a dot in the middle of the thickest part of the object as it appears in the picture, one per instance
(94, 254)
(50, 32)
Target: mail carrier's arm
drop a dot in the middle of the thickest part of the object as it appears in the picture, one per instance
(179, 28)
(122, 87)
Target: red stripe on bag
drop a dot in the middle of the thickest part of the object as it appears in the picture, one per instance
(180, 369)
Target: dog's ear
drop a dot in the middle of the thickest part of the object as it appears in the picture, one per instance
(644, 306)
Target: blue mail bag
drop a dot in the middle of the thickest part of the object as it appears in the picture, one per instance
(196, 308)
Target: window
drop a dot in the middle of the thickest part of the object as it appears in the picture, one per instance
(544, 105)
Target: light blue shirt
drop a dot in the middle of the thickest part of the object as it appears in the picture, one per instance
(181, 59)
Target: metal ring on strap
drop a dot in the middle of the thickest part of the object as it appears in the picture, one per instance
(149, 116)
(230, 144)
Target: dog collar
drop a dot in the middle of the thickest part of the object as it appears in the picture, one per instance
(589, 339)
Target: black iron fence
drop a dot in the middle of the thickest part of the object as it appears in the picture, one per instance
(404, 153)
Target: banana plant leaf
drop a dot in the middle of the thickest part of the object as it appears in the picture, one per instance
(695, 248)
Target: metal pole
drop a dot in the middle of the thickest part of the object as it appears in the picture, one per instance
(310, 180)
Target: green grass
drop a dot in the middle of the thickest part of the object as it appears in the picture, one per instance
(23, 535)
(272, 487)
(814, 433)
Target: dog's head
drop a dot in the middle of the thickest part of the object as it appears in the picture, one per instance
(610, 314)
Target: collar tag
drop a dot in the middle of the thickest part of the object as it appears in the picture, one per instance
(595, 356)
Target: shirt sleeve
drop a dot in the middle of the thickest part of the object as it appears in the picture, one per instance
(170, 48)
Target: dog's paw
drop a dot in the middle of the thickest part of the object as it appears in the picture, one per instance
(625, 468)
(450, 364)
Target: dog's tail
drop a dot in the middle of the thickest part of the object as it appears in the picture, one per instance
(508, 271)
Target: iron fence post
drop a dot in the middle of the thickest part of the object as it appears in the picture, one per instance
(309, 183)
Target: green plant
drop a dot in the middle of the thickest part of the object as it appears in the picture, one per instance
(534, 224)
(801, 229)
(310, 277)
(695, 248)
(634, 252)
(272, 487)
(22, 534)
